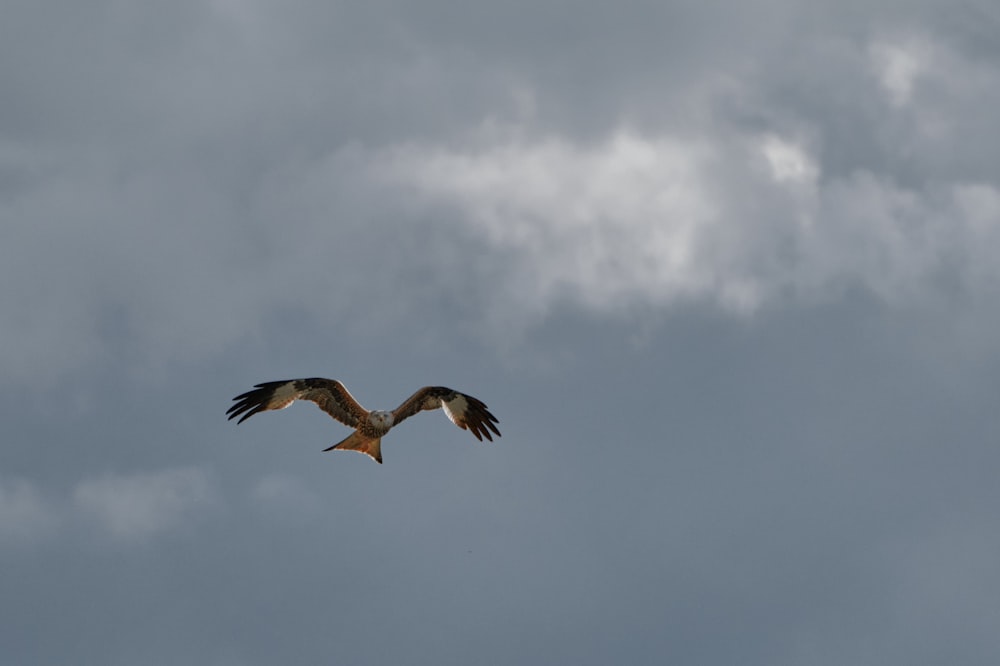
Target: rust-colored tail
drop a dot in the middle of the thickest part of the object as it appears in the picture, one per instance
(358, 442)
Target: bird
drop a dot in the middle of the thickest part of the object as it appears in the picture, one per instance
(370, 426)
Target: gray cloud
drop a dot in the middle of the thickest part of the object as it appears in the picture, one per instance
(726, 275)
(890, 151)
(138, 506)
(647, 218)
(24, 514)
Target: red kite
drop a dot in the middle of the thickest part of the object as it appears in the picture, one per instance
(332, 397)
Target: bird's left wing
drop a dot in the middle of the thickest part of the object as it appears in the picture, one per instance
(466, 412)
(330, 395)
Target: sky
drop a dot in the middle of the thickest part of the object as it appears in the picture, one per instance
(726, 273)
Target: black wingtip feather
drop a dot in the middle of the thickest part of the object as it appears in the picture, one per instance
(482, 426)
(253, 401)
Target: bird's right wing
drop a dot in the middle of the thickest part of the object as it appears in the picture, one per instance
(330, 395)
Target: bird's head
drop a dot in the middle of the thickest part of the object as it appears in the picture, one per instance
(380, 419)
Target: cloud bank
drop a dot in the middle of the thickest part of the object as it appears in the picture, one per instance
(127, 508)
(740, 179)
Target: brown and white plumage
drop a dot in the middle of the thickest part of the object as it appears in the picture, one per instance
(332, 397)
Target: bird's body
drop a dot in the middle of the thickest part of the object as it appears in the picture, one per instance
(369, 426)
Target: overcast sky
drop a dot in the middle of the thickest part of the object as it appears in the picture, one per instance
(727, 273)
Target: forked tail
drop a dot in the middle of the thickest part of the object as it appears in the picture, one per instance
(358, 442)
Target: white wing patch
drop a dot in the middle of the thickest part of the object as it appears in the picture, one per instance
(455, 410)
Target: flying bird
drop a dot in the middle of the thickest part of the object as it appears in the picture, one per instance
(370, 426)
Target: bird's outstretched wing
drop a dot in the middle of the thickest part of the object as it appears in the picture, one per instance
(331, 396)
(466, 412)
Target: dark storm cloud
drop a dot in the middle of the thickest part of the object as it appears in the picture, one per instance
(725, 274)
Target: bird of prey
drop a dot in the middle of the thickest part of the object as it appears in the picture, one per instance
(332, 397)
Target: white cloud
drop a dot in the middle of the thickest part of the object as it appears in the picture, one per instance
(138, 506)
(655, 219)
(789, 162)
(898, 67)
(938, 97)
(599, 223)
